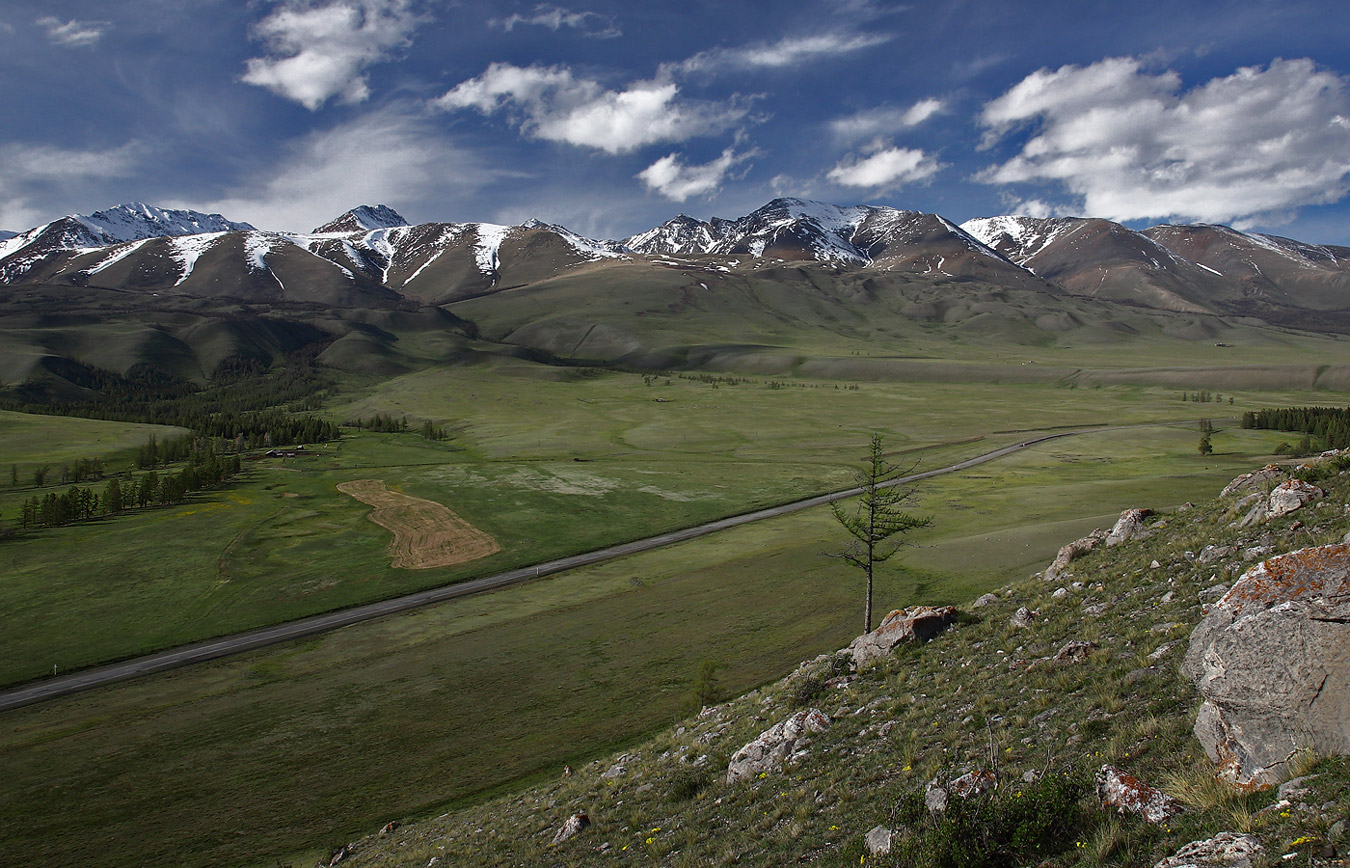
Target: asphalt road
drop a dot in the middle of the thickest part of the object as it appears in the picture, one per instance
(226, 645)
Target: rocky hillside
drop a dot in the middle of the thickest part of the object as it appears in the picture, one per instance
(1051, 723)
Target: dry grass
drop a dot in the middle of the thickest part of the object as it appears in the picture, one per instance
(426, 534)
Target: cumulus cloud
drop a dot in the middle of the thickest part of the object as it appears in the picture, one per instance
(1131, 144)
(676, 181)
(553, 104)
(387, 157)
(73, 34)
(885, 168)
(785, 52)
(885, 120)
(36, 178)
(316, 51)
(555, 18)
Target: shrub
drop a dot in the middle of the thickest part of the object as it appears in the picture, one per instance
(1011, 825)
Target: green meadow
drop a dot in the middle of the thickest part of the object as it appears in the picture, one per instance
(275, 755)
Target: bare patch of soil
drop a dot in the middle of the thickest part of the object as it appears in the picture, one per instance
(426, 534)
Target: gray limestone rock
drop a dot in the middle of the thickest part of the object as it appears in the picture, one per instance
(1272, 661)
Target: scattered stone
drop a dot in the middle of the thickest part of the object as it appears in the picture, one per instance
(1095, 610)
(776, 744)
(1074, 652)
(879, 841)
(573, 827)
(1126, 793)
(1210, 554)
(1129, 526)
(917, 624)
(339, 854)
(1071, 552)
(389, 827)
(980, 603)
(1154, 565)
(935, 798)
(617, 770)
(1272, 661)
(1022, 618)
(1295, 788)
(1060, 593)
(973, 784)
(1167, 598)
(1224, 850)
(1291, 495)
(1161, 651)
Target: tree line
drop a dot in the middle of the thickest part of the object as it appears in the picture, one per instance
(204, 469)
(244, 401)
(386, 423)
(1328, 426)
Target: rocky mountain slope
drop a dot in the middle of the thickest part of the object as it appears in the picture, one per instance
(137, 285)
(1050, 723)
(1179, 268)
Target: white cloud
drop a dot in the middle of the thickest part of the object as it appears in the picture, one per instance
(73, 34)
(885, 120)
(676, 181)
(1132, 145)
(384, 157)
(320, 50)
(551, 103)
(590, 24)
(785, 52)
(36, 178)
(886, 168)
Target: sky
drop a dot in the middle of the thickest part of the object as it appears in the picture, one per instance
(610, 118)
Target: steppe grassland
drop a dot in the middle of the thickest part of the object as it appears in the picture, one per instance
(283, 543)
(244, 760)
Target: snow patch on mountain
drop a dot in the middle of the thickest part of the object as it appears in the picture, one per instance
(490, 238)
(188, 249)
(1017, 238)
(117, 255)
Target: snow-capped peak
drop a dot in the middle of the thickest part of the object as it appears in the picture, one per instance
(135, 221)
(364, 218)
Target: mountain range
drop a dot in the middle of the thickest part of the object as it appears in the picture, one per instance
(543, 288)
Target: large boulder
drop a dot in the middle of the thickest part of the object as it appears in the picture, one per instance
(1129, 526)
(918, 624)
(1272, 661)
(1073, 551)
(1254, 480)
(1291, 495)
(775, 745)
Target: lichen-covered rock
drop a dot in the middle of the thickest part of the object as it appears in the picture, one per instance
(1224, 850)
(776, 744)
(573, 827)
(1071, 552)
(973, 783)
(918, 624)
(1126, 793)
(1272, 661)
(1253, 479)
(1023, 617)
(1291, 495)
(1129, 526)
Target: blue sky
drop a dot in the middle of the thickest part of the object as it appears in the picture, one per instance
(610, 118)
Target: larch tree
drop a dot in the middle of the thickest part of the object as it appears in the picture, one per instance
(877, 518)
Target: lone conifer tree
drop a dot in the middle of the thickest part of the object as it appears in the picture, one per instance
(877, 518)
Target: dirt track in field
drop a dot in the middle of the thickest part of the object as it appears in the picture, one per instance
(426, 534)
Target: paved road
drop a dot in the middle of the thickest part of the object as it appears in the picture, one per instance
(234, 644)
